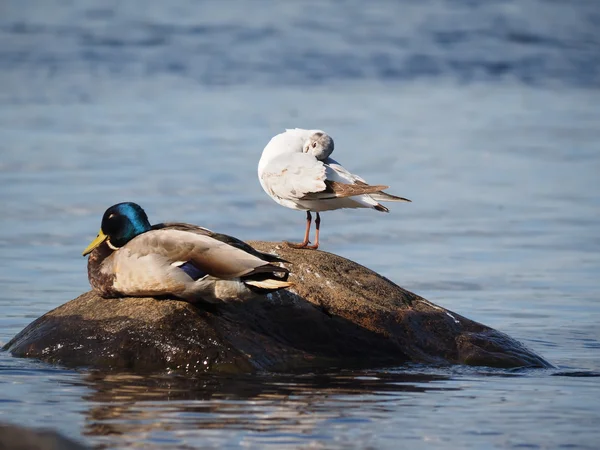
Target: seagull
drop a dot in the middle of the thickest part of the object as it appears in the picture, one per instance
(296, 170)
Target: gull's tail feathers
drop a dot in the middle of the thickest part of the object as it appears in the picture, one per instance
(381, 196)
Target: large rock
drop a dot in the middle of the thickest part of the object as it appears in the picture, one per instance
(339, 314)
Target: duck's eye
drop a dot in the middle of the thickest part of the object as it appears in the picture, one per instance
(112, 223)
(314, 145)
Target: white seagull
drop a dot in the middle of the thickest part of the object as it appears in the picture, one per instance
(296, 171)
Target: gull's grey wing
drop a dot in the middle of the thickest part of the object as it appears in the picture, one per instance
(336, 189)
(340, 183)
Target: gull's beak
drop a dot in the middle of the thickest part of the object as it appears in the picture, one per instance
(95, 243)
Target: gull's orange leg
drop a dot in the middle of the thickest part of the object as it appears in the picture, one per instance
(305, 242)
(317, 226)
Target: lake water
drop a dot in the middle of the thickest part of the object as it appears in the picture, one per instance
(485, 114)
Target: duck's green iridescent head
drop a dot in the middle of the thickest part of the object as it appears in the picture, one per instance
(120, 224)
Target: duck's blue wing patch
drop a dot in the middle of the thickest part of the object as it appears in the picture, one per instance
(193, 272)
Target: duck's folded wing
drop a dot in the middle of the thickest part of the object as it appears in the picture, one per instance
(292, 176)
(210, 255)
(235, 242)
(183, 227)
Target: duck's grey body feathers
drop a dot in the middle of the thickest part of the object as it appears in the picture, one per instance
(235, 242)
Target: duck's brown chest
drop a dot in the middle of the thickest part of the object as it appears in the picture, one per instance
(101, 281)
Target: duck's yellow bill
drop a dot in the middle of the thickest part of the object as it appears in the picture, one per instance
(95, 243)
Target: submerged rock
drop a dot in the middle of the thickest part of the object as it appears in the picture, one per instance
(338, 314)
(15, 437)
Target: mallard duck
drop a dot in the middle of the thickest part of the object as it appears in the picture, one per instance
(129, 257)
(296, 171)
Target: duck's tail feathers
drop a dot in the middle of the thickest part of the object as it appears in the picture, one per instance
(267, 271)
(269, 284)
(267, 278)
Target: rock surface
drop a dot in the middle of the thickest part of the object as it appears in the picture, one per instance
(339, 314)
(15, 437)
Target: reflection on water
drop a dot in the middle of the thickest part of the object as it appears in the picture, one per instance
(133, 406)
(130, 409)
(455, 407)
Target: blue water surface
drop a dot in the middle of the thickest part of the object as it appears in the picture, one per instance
(484, 113)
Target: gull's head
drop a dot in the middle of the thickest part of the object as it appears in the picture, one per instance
(319, 144)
